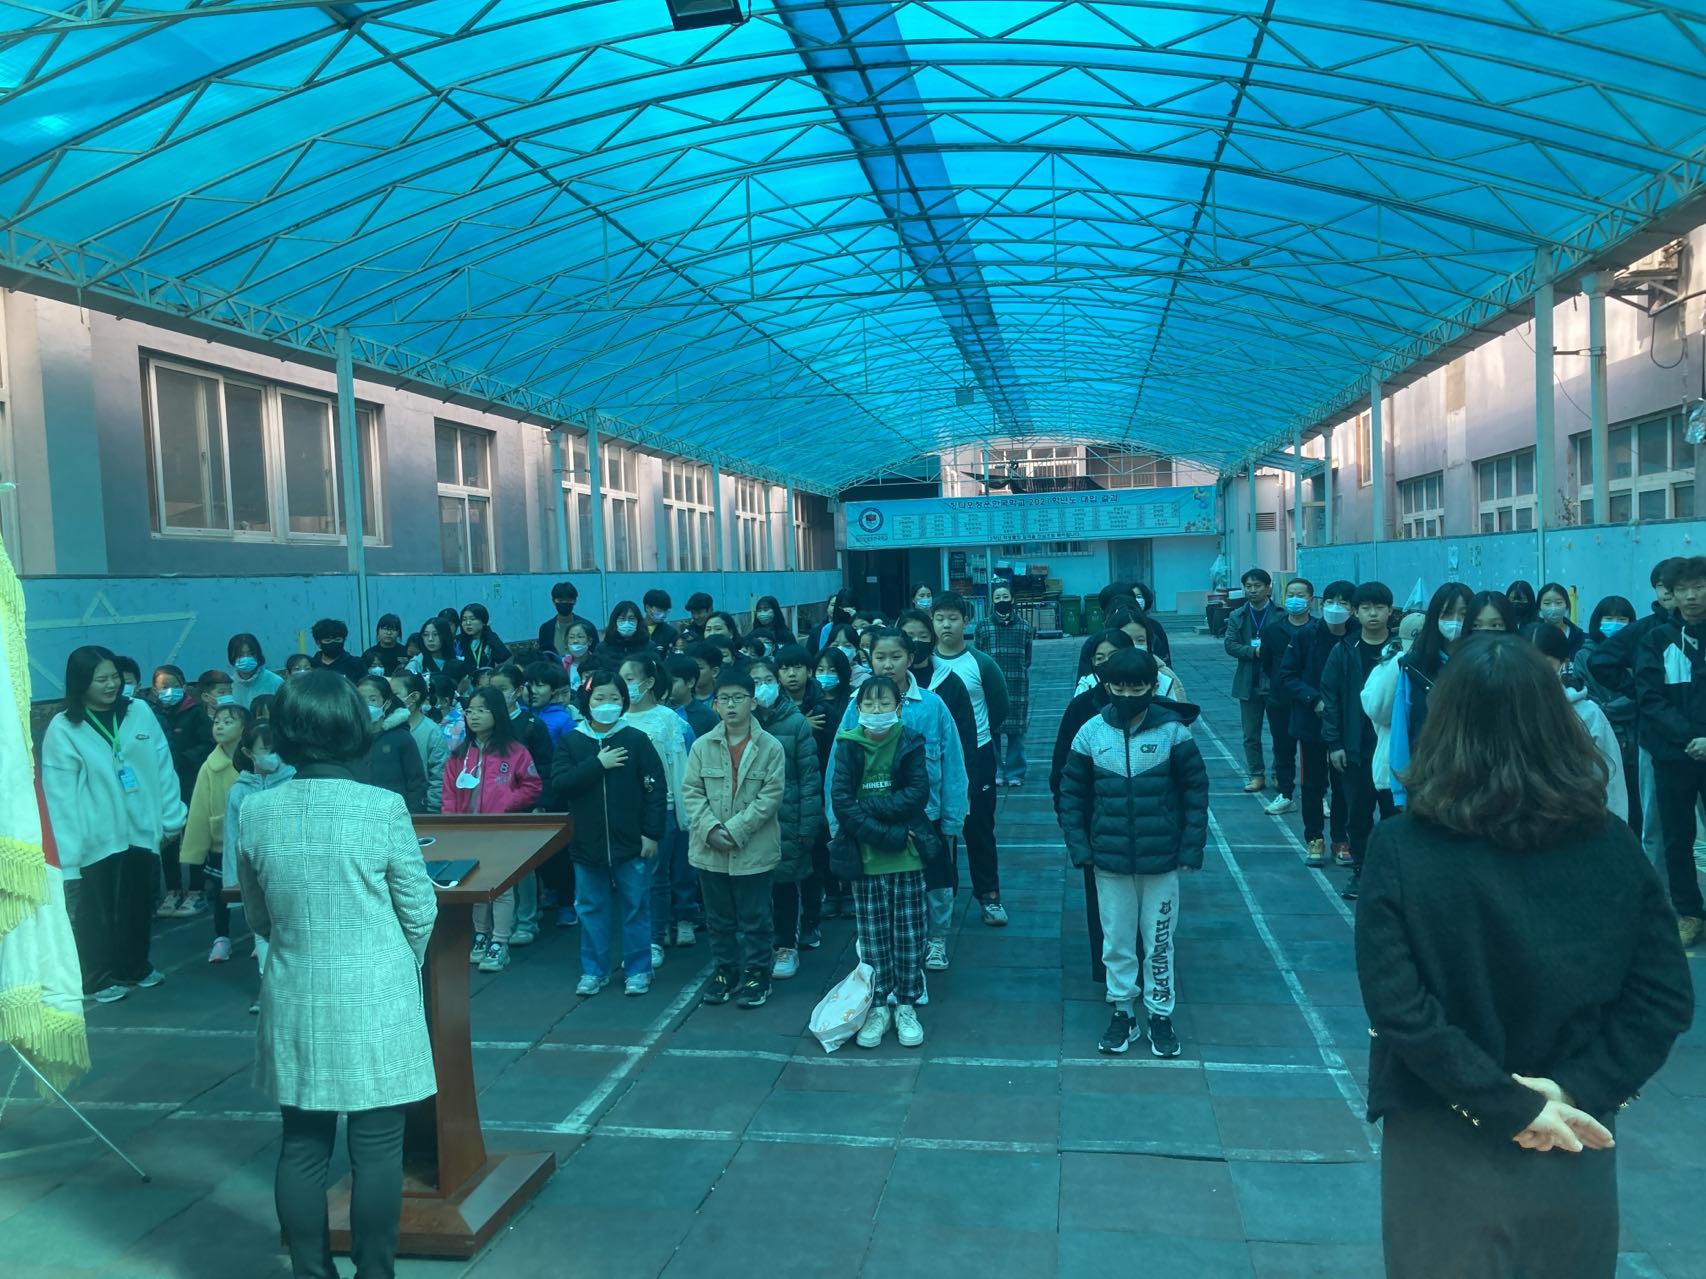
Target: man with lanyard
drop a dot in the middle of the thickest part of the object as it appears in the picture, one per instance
(1249, 683)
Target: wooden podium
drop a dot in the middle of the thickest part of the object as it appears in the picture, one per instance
(455, 1195)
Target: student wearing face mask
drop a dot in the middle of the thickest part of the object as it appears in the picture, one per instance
(528, 728)
(262, 770)
(1009, 638)
(922, 599)
(607, 776)
(189, 735)
(393, 759)
(204, 830)
(1610, 617)
(1520, 594)
(623, 638)
(844, 637)
(1554, 605)
(410, 691)
(1554, 646)
(1276, 638)
(801, 812)
(1443, 631)
(1134, 806)
(553, 631)
(1301, 670)
(657, 626)
(329, 636)
(250, 676)
(1244, 642)
(387, 656)
(674, 887)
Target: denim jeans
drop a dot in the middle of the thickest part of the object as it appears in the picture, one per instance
(672, 902)
(1010, 757)
(527, 903)
(602, 890)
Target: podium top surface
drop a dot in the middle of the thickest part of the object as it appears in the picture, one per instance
(507, 847)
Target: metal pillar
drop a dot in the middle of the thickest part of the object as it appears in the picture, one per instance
(791, 558)
(717, 517)
(1250, 494)
(1297, 499)
(1599, 404)
(1327, 484)
(560, 520)
(1543, 420)
(597, 484)
(349, 437)
(1377, 453)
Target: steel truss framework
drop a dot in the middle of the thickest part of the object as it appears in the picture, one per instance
(1187, 228)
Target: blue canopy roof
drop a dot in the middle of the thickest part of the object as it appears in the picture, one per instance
(783, 245)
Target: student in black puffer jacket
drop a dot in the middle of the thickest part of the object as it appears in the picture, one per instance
(1134, 805)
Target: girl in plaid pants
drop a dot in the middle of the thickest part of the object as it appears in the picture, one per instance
(879, 792)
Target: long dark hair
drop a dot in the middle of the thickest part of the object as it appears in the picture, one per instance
(503, 728)
(80, 670)
(446, 644)
(1500, 604)
(1425, 653)
(615, 638)
(1503, 755)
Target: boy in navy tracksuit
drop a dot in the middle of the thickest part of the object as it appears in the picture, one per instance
(1300, 668)
(1346, 728)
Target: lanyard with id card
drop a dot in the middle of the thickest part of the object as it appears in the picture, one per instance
(126, 774)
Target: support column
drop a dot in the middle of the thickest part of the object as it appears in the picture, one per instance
(349, 437)
(1377, 453)
(791, 558)
(717, 516)
(1250, 501)
(1297, 500)
(1543, 417)
(596, 479)
(1327, 483)
(1599, 403)
(560, 518)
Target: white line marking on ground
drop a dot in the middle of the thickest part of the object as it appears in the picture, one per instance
(1335, 1062)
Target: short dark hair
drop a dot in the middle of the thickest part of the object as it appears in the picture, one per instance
(1551, 641)
(389, 622)
(207, 679)
(698, 600)
(949, 602)
(128, 666)
(1112, 591)
(707, 651)
(1372, 593)
(655, 598)
(877, 684)
(1130, 666)
(1657, 576)
(1300, 580)
(734, 679)
(319, 718)
(1503, 755)
(296, 659)
(836, 658)
(1689, 568)
(602, 678)
(325, 629)
(80, 668)
(564, 591)
(1339, 589)
(1498, 603)
(793, 655)
(237, 643)
(513, 673)
(1611, 605)
(548, 673)
(680, 666)
(382, 685)
(1257, 575)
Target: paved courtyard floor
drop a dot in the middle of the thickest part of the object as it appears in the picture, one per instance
(701, 1142)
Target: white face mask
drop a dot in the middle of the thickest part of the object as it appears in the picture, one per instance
(765, 615)
(1335, 614)
(627, 626)
(267, 762)
(923, 603)
(636, 692)
(766, 694)
(606, 713)
(852, 653)
(374, 712)
(878, 721)
(1450, 630)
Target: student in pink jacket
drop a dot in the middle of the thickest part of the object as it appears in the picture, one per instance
(490, 772)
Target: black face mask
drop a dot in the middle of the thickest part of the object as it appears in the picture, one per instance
(333, 649)
(1003, 607)
(1128, 707)
(565, 608)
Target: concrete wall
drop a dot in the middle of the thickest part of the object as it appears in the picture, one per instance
(186, 621)
(1594, 562)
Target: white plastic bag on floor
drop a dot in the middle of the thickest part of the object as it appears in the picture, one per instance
(839, 1014)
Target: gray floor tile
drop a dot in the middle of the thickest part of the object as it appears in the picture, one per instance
(1097, 1254)
(1309, 1203)
(1146, 1195)
(972, 1190)
(1146, 1122)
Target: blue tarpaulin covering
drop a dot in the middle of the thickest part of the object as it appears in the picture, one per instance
(785, 244)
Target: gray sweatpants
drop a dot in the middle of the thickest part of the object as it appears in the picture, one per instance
(1132, 906)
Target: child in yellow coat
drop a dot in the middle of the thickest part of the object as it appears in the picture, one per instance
(204, 833)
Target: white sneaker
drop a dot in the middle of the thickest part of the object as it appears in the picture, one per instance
(786, 965)
(590, 985)
(477, 952)
(496, 958)
(109, 994)
(936, 956)
(1280, 804)
(169, 905)
(657, 955)
(906, 1027)
(154, 978)
(875, 1027)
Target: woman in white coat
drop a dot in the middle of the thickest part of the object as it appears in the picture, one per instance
(113, 797)
(1378, 695)
(333, 881)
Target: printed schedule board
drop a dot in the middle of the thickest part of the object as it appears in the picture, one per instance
(1042, 517)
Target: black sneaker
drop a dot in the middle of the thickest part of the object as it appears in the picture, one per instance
(754, 991)
(811, 937)
(1349, 891)
(719, 988)
(1118, 1036)
(1162, 1041)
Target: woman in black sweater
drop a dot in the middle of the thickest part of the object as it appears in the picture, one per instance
(1523, 978)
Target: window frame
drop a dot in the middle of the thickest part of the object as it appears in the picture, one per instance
(465, 493)
(1421, 506)
(687, 497)
(1517, 505)
(1626, 490)
(754, 549)
(271, 396)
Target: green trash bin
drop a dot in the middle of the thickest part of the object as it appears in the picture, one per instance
(1092, 615)
(1071, 614)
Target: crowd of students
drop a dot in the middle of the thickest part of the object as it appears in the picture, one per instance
(1343, 690)
(748, 781)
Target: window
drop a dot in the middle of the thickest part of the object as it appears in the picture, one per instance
(577, 502)
(251, 460)
(1505, 489)
(621, 507)
(1652, 471)
(464, 498)
(687, 515)
(752, 515)
(1421, 505)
